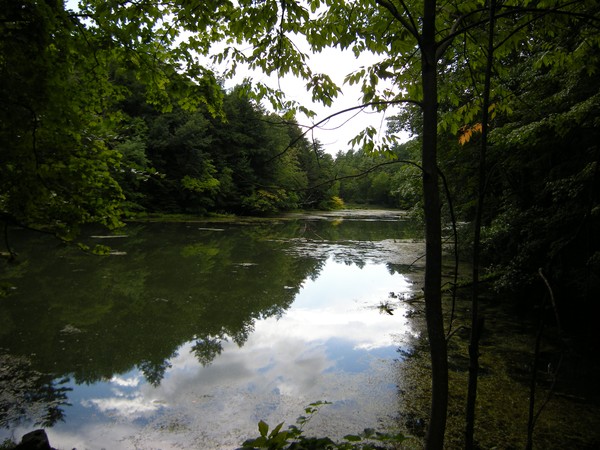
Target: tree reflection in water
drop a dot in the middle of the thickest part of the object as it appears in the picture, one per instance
(28, 395)
(172, 288)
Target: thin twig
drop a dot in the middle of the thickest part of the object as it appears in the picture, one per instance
(338, 113)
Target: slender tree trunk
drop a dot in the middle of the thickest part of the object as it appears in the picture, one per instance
(433, 264)
(533, 382)
(476, 320)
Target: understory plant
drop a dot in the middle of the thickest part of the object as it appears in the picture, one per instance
(293, 437)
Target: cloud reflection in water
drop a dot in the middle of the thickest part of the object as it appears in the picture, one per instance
(332, 344)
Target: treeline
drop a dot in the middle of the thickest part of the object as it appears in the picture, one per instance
(245, 160)
(98, 122)
(390, 180)
(241, 160)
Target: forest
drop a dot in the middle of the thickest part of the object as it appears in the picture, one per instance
(109, 111)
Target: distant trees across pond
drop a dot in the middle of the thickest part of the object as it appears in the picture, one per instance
(245, 161)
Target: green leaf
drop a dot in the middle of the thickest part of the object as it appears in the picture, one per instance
(101, 249)
(276, 430)
(280, 438)
(352, 438)
(301, 420)
(263, 428)
(260, 442)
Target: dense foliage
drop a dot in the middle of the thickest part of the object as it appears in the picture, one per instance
(97, 123)
(541, 185)
(245, 161)
(55, 161)
(391, 180)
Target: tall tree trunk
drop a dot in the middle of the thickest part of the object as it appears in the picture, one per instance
(476, 320)
(433, 240)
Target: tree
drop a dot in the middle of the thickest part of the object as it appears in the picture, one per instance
(319, 169)
(194, 162)
(500, 94)
(62, 129)
(55, 166)
(545, 149)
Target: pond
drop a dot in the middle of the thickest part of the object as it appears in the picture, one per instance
(188, 334)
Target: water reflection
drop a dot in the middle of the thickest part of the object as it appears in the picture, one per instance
(332, 344)
(27, 394)
(191, 341)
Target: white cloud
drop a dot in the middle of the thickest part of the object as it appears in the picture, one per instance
(128, 407)
(126, 382)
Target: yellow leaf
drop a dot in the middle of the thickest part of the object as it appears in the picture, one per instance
(466, 133)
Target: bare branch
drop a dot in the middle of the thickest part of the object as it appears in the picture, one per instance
(338, 113)
(367, 171)
(408, 24)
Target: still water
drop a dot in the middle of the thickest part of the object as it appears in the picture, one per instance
(188, 334)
